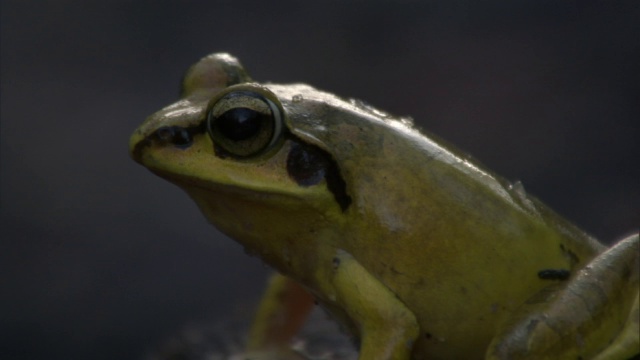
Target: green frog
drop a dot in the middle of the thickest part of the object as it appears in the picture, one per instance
(414, 248)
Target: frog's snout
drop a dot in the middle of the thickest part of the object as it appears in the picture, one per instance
(176, 136)
(137, 141)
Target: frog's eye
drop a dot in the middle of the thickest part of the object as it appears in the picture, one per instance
(244, 123)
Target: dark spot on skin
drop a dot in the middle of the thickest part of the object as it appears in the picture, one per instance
(573, 258)
(554, 274)
(428, 336)
(336, 263)
(308, 165)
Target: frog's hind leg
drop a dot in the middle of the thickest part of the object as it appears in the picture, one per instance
(594, 314)
(626, 344)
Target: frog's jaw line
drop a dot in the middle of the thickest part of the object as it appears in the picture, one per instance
(148, 152)
(316, 195)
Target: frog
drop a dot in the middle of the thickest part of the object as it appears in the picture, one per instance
(415, 248)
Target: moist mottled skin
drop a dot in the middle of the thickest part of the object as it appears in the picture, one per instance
(416, 250)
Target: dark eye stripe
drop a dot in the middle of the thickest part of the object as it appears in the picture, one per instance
(308, 165)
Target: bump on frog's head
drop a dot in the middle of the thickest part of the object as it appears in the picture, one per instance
(213, 72)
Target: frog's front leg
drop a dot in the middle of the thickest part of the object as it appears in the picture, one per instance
(594, 315)
(387, 327)
(283, 310)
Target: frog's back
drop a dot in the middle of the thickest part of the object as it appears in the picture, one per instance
(462, 248)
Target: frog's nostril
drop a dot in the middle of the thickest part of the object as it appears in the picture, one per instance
(175, 135)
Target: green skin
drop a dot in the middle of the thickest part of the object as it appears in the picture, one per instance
(432, 257)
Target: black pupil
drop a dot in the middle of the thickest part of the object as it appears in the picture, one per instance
(240, 123)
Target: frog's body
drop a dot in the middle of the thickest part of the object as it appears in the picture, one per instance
(416, 250)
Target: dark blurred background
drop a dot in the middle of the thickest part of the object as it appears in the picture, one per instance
(99, 259)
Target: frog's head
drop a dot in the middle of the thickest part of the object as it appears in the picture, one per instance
(255, 157)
